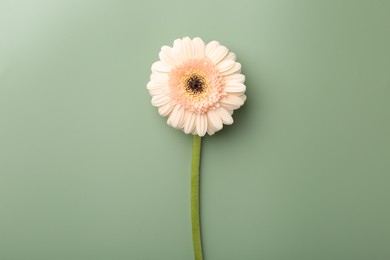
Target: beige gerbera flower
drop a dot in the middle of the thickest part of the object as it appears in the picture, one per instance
(197, 85)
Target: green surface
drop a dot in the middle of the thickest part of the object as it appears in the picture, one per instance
(90, 171)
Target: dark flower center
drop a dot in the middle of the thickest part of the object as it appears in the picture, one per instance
(195, 84)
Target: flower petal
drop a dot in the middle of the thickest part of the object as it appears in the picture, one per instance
(211, 130)
(238, 78)
(177, 51)
(158, 66)
(232, 101)
(234, 87)
(235, 69)
(211, 47)
(157, 88)
(230, 56)
(176, 118)
(227, 119)
(160, 100)
(199, 47)
(154, 85)
(201, 124)
(218, 54)
(225, 65)
(189, 122)
(214, 120)
(159, 91)
(159, 77)
(188, 48)
(165, 109)
(166, 56)
(243, 98)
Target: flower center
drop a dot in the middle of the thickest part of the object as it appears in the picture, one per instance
(195, 84)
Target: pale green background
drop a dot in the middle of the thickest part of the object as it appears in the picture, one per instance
(89, 170)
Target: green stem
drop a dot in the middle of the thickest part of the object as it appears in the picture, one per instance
(196, 235)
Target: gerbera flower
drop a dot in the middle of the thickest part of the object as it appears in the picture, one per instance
(197, 85)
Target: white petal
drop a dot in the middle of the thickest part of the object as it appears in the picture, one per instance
(225, 65)
(211, 47)
(176, 117)
(239, 78)
(189, 122)
(210, 130)
(232, 101)
(235, 69)
(165, 109)
(201, 124)
(158, 66)
(230, 56)
(158, 91)
(214, 120)
(218, 54)
(188, 48)
(153, 85)
(159, 77)
(234, 87)
(243, 97)
(194, 132)
(177, 51)
(157, 88)
(166, 56)
(160, 100)
(199, 47)
(227, 119)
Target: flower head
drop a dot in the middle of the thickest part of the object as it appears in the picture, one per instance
(197, 85)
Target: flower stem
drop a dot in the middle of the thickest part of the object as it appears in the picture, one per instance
(196, 235)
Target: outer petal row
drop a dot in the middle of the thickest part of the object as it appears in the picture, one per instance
(198, 124)
(186, 48)
(182, 50)
(233, 101)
